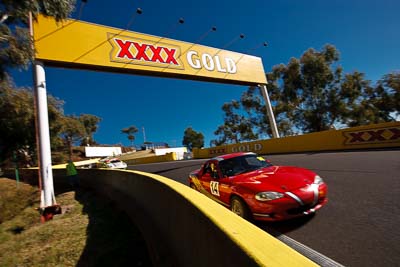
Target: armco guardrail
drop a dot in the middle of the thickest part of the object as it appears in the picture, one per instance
(181, 226)
(384, 135)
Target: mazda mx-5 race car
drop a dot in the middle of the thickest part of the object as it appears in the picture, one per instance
(253, 188)
(112, 163)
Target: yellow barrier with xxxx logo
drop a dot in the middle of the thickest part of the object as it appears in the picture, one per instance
(384, 135)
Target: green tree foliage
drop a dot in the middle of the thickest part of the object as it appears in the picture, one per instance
(130, 131)
(90, 123)
(308, 90)
(15, 41)
(72, 131)
(192, 139)
(380, 103)
(311, 94)
(17, 122)
(236, 127)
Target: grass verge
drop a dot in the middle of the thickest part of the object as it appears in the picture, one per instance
(89, 232)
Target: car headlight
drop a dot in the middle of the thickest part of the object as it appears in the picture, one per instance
(318, 180)
(267, 196)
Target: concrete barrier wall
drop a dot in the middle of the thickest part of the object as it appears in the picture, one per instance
(384, 135)
(181, 226)
(152, 159)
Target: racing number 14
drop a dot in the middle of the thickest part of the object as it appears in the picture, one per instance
(214, 187)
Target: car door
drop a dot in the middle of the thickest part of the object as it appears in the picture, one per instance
(222, 185)
(216, 186)
(209, 180)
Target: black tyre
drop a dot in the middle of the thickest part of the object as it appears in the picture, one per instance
(239, 207)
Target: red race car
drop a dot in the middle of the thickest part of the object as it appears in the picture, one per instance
(253, 188)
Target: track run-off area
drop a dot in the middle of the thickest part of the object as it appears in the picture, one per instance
(360, 224)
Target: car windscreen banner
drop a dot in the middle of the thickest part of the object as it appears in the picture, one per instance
(83, 45)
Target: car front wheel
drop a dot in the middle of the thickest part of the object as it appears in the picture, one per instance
(240, 208)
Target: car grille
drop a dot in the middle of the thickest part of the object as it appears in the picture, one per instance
(298, 210)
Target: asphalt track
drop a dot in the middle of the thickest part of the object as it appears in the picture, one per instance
(360, 224)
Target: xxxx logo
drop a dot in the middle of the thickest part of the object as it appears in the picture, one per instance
(217, 151)
(385, 135)
(130, 50)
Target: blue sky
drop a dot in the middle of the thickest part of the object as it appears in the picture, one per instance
(365, 32)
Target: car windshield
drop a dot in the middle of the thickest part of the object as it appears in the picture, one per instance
(242, 164)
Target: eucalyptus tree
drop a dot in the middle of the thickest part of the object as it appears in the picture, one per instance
(16, 49)
(90, 123)
(385, 98)
(192, 138)
(72, 131)
(17, 120)
(311, 94)
(17, 123)
(130, 131)
(310, 90)
(236, 128)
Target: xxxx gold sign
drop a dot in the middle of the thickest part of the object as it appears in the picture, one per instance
(136, 51)
(248, 147)
(371, 136)
(78, 44)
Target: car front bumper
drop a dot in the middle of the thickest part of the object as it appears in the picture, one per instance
(280, 214)
(304, 203)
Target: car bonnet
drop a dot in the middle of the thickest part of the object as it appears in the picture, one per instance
(276, 178)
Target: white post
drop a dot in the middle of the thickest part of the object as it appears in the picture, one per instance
(270, 113)
(47, 193)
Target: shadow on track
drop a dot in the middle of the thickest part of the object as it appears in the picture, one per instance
(283, 227)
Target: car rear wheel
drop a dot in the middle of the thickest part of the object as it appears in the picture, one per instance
(240, 208)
